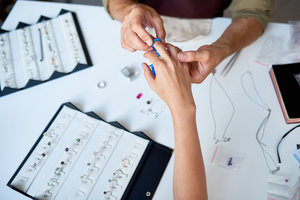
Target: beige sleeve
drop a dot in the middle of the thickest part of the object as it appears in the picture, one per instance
(256, 9)
(105, 5)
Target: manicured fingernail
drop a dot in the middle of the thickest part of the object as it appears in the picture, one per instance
(149, 42)
(182, 56)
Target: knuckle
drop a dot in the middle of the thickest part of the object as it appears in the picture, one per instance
(191, 56)
(142, 47)
(135, 27)
(207, 54)
(137, 10)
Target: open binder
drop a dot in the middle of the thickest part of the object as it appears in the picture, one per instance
(143, 177)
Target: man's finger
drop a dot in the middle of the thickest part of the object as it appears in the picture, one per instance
(128, 48)
(142, 33)
(124, 43)
(192, 56)
(134, 41)
(151, 55)
(158, 25)
(173, 50)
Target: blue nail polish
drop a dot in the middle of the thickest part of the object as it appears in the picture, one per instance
(151, 66)
(152, 70)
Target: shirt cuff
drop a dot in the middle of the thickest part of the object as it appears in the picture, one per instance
(262, 17)
(105, 5)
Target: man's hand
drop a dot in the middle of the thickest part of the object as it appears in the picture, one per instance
(133, 34)
(202, 61)
(238, 34)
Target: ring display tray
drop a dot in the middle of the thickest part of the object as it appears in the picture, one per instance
(79, 156)
(34, 54)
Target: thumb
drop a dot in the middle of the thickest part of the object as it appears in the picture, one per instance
(190, 56)
(148, 75)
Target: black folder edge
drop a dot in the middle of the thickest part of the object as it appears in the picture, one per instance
(138, 172)
(55, 74)
(278, 84)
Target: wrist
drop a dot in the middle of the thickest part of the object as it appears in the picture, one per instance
(120, 10)
(183, 114)
(224, 48)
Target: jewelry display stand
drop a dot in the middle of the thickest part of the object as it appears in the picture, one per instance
(47, 50)
(79, 156)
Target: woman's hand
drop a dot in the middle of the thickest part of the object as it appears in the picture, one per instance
(133, 34)
(173, 85)
(172, 82)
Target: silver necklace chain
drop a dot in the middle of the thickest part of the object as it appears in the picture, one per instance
(262, 127)
(224, 138)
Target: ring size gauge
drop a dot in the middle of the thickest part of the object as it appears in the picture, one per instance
(121, 174)
(43, 150)
(73, 43)
(67, 159)
(260, 133)
(49, 49)
(7, 72)
(96, 163)
(28, 54)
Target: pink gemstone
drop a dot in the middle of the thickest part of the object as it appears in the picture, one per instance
(139, 96)
(286, 180)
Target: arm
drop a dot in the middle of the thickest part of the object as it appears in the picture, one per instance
(240, 33)
(189, 173)
(135, 17)
(249, 19)
(172, 84)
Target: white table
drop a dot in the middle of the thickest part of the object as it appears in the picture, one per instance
(23, 115)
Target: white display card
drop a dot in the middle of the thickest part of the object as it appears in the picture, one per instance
(7, 72)
(37, 51)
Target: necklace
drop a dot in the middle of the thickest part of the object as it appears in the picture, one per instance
(151, 110)
(262, 127)
(224, 138)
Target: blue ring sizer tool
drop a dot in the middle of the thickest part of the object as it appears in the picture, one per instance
(151, 66)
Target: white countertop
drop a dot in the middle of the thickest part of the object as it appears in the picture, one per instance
(24, 114)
